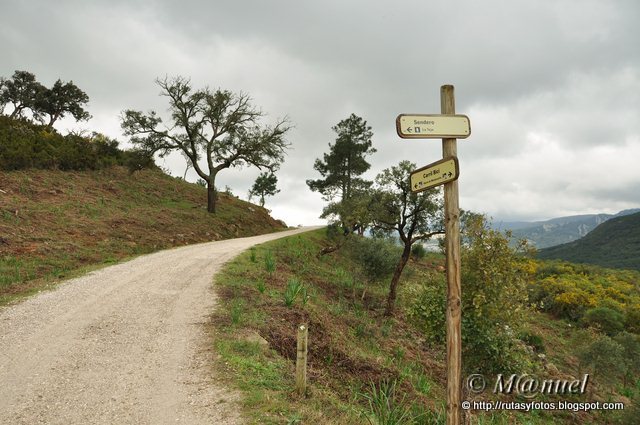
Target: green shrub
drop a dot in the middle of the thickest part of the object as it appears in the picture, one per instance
(632, 318)
(138, 159)
(418, 251)
(630, 344)
(603, 354)
(428, 309)
(494, 279)
(533, 340)
(376, 257)
(604, 319)
(26, 145)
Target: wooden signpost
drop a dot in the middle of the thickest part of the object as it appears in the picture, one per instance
(447, 126)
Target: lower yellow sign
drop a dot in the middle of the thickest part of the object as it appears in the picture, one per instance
(440, 172)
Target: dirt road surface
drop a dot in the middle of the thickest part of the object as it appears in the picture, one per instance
(122, 345)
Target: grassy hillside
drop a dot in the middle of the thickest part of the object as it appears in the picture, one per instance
(361, 362)
(53, 222)
(614, 243)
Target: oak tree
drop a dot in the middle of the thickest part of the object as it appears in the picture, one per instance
(60, 100)
(214, 129)
(412, 216)
(21, 91)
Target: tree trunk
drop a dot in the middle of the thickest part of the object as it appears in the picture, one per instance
(393, 287)
(17, 112)
(212, 196)
(51, 121)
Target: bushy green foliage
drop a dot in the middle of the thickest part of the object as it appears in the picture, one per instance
(138, 159)
(376, 257)
(618, 356)
(418, 251)
(632, 318)
(604, 319)
(494, 279)
(25, 145)
(533, 340)
(603, 354)
(630, 344)
(429, 307)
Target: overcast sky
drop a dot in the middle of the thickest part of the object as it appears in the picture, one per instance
(552, 87)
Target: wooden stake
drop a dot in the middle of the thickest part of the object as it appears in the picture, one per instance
(301, 359)
(452, 243)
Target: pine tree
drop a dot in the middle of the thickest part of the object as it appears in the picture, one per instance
(342, 167)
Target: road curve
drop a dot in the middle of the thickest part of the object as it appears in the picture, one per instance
(122, 345)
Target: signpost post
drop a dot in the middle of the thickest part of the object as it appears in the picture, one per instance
(452, 249)
(449, 127)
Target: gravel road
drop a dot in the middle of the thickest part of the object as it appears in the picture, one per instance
(122, 345)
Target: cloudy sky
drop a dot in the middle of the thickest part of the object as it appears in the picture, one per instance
(552, 87)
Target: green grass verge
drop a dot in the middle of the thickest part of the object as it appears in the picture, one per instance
(353, 348)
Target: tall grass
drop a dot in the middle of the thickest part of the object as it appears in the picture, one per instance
(294, 288)
(384, 406)
(269, 263)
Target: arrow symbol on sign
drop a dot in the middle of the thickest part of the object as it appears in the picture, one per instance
(409, 130)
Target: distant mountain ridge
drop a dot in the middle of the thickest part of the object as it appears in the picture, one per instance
(615, 244)
(560, 230)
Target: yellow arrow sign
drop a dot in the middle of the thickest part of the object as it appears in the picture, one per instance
(440, 172)
(422, 126)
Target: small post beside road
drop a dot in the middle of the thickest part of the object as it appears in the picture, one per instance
(452, 244)
(301, 359)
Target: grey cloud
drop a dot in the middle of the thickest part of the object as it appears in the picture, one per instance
(546, 84)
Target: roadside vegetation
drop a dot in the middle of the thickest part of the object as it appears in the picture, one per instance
(366, 367)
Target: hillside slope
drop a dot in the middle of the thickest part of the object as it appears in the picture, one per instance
(615, 243)
(556, 231)
(53, 222)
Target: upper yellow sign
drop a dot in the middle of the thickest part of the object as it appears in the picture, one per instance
(433, 126)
